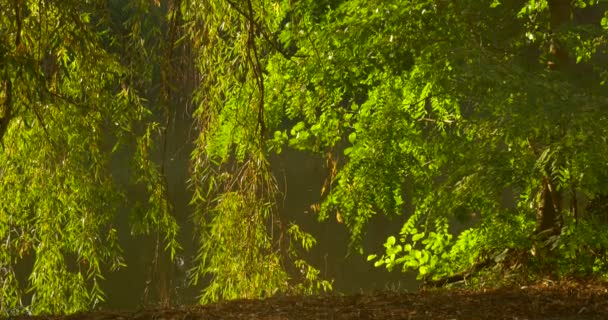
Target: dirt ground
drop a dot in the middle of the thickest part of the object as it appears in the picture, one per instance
(565, 300)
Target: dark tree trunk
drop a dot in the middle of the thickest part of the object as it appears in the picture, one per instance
(561, 12)
(548, 217)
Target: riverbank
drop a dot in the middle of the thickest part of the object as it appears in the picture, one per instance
(565, 300)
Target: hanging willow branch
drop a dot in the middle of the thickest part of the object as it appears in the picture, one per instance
(257, 69)
(7, 113)
(254, 60)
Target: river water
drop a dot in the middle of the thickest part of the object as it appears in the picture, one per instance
(300, 176)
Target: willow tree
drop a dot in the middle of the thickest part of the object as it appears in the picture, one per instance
(246, 248)
(429, 110)
(89, 86)
(69, 98)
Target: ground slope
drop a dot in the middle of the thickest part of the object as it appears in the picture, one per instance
(565, 300)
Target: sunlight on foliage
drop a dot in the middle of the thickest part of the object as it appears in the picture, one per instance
(66, 115)
(478, 126)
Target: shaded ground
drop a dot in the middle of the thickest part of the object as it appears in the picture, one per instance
(551, 301)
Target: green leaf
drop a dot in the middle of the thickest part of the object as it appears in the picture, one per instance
(352, 137)
(390, 241)
(417, 237)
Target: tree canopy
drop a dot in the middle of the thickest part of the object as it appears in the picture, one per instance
(488, 116)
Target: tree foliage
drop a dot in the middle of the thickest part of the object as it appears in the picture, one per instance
(89, 84)
(245, 247)
(433, 112)
(67, 108)
(447, 106)
(452, 104)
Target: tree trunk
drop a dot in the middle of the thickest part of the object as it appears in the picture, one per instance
(548, 217)
(561, 12)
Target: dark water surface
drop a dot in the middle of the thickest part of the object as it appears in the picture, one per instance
(300, 176)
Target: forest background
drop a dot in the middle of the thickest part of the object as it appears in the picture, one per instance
(440, 114)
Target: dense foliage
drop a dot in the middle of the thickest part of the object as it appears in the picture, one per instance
(481, 113)
(488, 116)
(66, 109)
(88, 92)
